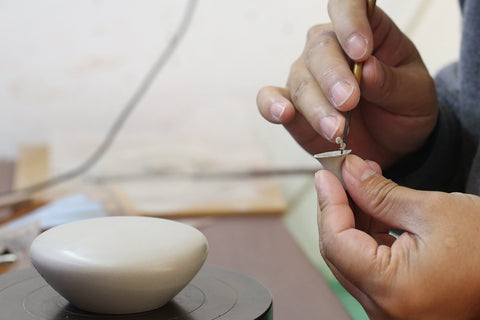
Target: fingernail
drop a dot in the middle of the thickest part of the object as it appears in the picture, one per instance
(277, 109)
(340, 93)
(358, 168)
(357, 46)
(329, 125)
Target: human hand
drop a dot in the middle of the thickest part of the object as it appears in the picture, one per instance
(395, 108)
(429, 272)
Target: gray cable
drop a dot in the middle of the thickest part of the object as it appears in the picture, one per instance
(123, 115)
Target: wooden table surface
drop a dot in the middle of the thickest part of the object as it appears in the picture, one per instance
(260, 247)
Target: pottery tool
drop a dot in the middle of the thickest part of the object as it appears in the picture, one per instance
(357, 72)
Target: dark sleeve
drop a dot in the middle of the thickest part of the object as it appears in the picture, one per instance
(442, 163)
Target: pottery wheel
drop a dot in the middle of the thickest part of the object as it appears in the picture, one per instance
(215, 293)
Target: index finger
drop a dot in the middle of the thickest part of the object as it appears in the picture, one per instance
(351, 24)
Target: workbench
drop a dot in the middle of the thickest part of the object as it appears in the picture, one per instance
(259, 246)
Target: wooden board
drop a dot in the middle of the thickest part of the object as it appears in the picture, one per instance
(155, 195)
(203, 198)
(32, 165)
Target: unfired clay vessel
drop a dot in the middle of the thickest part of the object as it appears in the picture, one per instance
(333, 161)
(118, 265)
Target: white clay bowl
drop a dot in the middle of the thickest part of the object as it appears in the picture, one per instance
(119, 265)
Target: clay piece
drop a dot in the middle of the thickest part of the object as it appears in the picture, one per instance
(333, 161)
(119, 265)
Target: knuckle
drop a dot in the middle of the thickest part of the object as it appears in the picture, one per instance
(299, 89)
(391, 84)
(314, 30)
(322, 53)
(383, 195)
(295, 70)
(329, 74)
(320, 35)
(323, 39)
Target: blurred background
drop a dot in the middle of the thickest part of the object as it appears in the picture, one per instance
(67, 69)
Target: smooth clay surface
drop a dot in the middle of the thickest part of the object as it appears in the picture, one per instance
(333, 161)
(119, 265)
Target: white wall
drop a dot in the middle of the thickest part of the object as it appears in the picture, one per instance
(67, 68)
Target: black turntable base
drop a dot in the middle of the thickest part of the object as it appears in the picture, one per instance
(215, 293)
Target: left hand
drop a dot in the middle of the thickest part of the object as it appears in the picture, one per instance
(429, 272)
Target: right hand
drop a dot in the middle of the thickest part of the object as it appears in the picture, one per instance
(394, 112)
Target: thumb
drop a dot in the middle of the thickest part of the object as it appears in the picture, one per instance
(353, 255)
(381, 198)
(386, 85)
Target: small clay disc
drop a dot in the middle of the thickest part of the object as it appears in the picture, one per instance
(331, 154)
